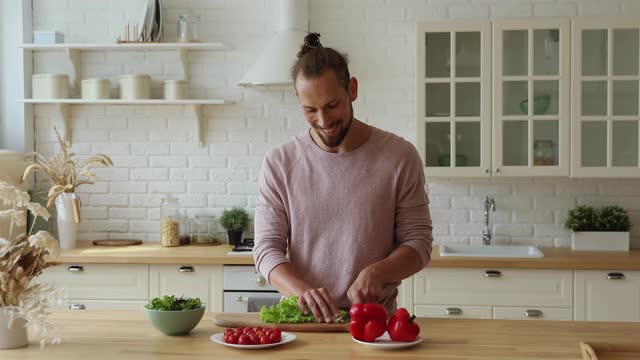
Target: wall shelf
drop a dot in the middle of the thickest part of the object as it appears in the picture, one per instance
(65, 113)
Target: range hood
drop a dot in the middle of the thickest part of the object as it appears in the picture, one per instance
(273, 64)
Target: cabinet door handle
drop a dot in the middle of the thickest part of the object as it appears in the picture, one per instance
(186, 269)
(453, 311)
(240, 299)
(77, 307)
(533, 313)
(615, 276)
(261, 281)
(492, 273)
(75, 268)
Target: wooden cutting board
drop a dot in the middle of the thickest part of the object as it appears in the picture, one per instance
(253, 319)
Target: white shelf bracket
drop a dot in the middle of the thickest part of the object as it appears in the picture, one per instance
(65, 115)
(73, 56)
(198, 110)
(183, 54)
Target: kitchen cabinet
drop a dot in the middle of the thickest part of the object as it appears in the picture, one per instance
(202, 281)
(607, 295)
(605, 115)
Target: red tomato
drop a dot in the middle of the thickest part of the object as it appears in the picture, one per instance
(268, 332)
(226, 338)
(239, 329)
(244, 340)
(255, 339)
(232, 339)
(247, 329)
(264, 339)
(228, 331)
(275, 338)
(257, 328)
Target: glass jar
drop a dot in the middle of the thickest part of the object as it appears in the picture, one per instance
(171, 216)
(203, 230)
(543, 153)
(185, 230)
(188, 28)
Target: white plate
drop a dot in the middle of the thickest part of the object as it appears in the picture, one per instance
(285, 338)
(384, 342)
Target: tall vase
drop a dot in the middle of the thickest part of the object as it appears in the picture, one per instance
(13, 330)
(67, 226)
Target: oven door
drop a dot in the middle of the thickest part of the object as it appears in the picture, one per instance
(245, 301)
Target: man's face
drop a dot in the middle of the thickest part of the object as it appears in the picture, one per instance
(326, 106)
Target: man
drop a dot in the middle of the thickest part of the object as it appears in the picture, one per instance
(342, 215)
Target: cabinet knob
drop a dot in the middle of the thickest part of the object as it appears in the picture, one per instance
(615, 276)
(533, 313)
(75, 268)
(186, 269)
(453, 311)
(261, 281)
(240, 299)
(492, 273)
(498, 170)
(77, 307)
(486, 171)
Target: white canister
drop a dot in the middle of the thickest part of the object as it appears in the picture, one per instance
(175, 89)
(50, 86)
(95, 88)
(133, 87)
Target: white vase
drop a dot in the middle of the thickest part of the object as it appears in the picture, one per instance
(13, 332)
(67, 226)
(600, 241)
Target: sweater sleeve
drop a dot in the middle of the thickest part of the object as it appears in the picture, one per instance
(271, 226)
(413, 225)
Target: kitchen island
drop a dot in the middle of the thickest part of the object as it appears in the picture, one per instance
(128, 335)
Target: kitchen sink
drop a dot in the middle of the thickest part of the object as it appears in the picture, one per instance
(501, 251)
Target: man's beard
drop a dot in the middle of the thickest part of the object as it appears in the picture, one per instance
(332, 142)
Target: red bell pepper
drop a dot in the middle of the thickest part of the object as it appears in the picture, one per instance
(368, 321)
(401, 326)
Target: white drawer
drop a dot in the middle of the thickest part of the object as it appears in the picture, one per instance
(530, 313)
(238, 301)
(244, 278)
(498, 287)
(104, 305)
(181, 280)
(453, 311)
(100, 281)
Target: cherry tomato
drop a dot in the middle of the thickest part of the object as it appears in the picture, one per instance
(275, 338)
(228, 331)
(239, 329)
(244, 340)
(257, 328)
(247, 329)
(232, 339)
(226, 338)
(264, 339)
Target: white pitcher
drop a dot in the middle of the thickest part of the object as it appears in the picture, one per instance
(67, 226)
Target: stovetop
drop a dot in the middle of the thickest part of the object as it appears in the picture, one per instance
(245, 245)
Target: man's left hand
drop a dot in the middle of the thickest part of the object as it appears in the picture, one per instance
(367, 288)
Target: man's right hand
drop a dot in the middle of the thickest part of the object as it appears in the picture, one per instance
(321, 304)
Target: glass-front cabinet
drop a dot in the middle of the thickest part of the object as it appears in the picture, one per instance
(454, 103)
(531, 103)
(605, 117)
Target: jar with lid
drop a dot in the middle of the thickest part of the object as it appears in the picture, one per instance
(171, 216)
(188, 28)
(543, 152)
(203, 230)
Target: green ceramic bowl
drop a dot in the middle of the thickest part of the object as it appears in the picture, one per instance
(540, 105)
(174, 322)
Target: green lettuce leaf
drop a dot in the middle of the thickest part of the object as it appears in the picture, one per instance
(287, 311)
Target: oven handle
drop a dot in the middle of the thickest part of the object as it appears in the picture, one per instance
(240, 299)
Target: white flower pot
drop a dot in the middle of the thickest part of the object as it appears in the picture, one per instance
(600, 241)
(13, 331)
(67, 226)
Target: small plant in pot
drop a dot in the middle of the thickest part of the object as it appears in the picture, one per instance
(604, 229)
(235, 221)
(174, 316)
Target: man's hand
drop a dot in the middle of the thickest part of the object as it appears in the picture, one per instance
(321, 304)
(367, 288)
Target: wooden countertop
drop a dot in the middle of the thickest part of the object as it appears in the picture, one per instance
(153, 253)
(128, 335)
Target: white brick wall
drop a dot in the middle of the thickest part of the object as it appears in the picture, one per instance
(154, 148)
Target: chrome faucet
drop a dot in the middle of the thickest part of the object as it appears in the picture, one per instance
(489, 205)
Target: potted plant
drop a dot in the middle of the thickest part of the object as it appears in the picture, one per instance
(235, 221)
(61, 170)
(174, 316)
(606, 229)
(23, 302)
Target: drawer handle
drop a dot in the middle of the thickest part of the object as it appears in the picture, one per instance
(75, 268)
(186, 269)
(615, 276)
(533, 313)
(77, 307)
(492, 273)
(261, 281)
(453, 311)
(240, 299)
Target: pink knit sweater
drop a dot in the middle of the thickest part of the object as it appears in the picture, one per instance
(330, 215)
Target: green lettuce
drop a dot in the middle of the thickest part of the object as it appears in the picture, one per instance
(171, 303)
(287, 311)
